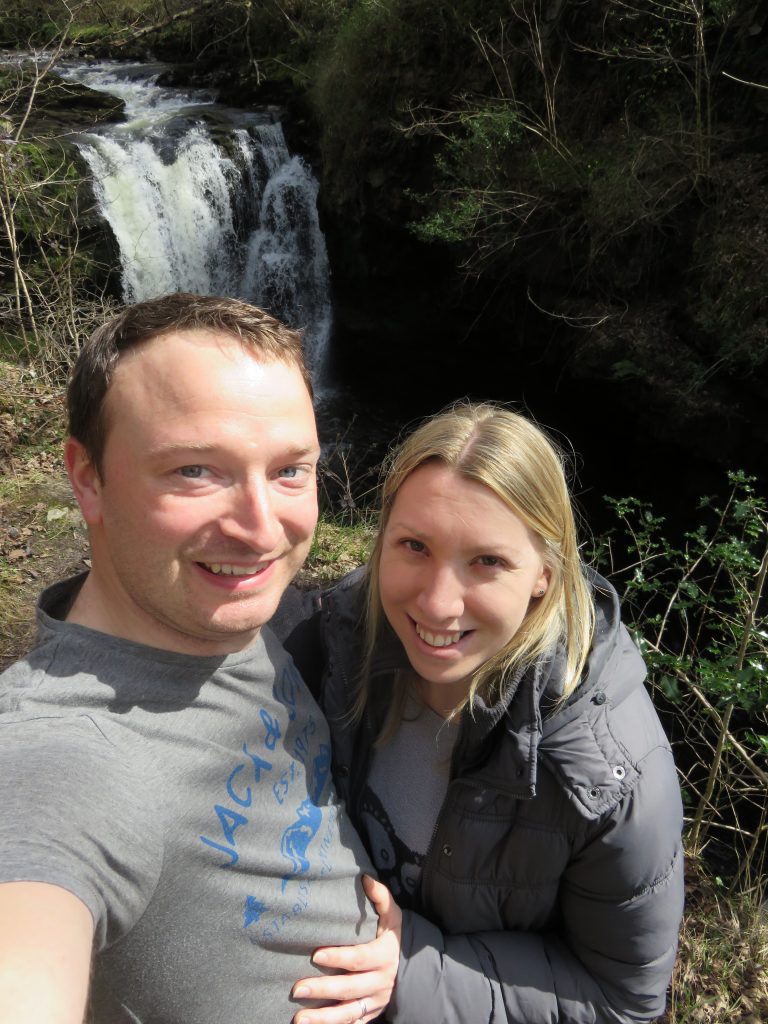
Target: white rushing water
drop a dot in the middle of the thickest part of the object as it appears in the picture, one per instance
(206, 199)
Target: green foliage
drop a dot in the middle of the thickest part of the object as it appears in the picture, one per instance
(43, 23)
(32, 22)
(40, 181)
(46, 181)
(690, 603)
(728, 298)
(384, 59)
(452, 224)
(698, 610)
(654, 105)
(44, 271)
(85, 34)
(480, 145)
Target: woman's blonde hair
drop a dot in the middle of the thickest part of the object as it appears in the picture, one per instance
(513, 457)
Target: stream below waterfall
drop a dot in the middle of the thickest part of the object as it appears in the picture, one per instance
(205, 198)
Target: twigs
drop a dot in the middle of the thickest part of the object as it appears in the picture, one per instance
(49, 302)
(699, 613)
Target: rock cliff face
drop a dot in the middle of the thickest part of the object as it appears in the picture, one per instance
(64, 107)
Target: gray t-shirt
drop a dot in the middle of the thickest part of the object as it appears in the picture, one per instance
(187, 801)
(416, 761)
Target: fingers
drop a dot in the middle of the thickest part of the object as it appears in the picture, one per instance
(342, 987)
(364, 988)
(390, 914)
(378, 894)
(357, 1011)
(368, 956)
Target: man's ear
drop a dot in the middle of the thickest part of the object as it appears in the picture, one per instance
(85, 480)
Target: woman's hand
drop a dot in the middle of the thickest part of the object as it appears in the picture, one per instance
(364, 991)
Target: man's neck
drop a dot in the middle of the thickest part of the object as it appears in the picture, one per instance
(95, 608)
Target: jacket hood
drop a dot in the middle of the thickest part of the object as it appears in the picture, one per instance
(576, 742)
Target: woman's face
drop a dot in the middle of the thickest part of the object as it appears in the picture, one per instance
(457, 574)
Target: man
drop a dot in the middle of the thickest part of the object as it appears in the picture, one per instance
(164, 774)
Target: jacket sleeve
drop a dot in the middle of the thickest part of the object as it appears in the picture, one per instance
(296, 624)
(609, 962)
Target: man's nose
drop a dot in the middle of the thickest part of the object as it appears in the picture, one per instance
(252, 516)
(442, 595)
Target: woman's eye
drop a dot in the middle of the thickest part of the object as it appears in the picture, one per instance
(414, 545)
(289, 472)
(490, 560)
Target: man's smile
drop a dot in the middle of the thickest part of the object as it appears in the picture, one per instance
(228, 569)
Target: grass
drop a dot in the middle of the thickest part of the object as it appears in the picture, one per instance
(721, 973)
(336, 550)
(42, 537)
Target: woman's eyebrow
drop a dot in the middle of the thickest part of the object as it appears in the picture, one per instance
(405, 527)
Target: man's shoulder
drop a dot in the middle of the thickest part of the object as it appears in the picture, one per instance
(51, 609)
(29, 674)
(58, 653)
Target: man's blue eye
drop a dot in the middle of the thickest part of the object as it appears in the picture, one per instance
(290, 472)
(191, 472)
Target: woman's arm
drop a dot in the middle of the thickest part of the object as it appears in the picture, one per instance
(607, 961)
(524, 978)
(499, 977)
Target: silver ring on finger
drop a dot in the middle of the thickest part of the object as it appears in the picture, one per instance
(363, 1010)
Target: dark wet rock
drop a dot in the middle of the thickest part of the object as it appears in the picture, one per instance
(63, 107)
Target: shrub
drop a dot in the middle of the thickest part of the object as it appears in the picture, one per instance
(699, 614)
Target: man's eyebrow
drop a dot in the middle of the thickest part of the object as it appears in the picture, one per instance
(169, 447)
(296, 451)
(301, 451)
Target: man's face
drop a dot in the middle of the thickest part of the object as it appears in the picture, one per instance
(208, 499)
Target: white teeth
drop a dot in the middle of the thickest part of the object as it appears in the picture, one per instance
(231, 570)
(438, 639)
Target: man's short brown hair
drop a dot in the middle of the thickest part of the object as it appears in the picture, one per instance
(93, 371)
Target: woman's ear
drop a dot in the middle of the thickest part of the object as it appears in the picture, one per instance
(541, 586)
(85, 480)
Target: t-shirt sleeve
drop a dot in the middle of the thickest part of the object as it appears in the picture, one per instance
(76, 815)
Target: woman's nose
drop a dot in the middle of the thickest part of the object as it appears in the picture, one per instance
(441, 596)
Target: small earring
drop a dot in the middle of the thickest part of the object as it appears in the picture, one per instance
(540, 593)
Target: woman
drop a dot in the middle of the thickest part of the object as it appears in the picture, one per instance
(496, 749)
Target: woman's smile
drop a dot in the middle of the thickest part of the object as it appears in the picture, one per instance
(437, 638)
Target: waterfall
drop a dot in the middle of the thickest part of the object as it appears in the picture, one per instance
(207, 199)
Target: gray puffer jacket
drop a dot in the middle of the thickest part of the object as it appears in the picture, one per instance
(553, 887)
